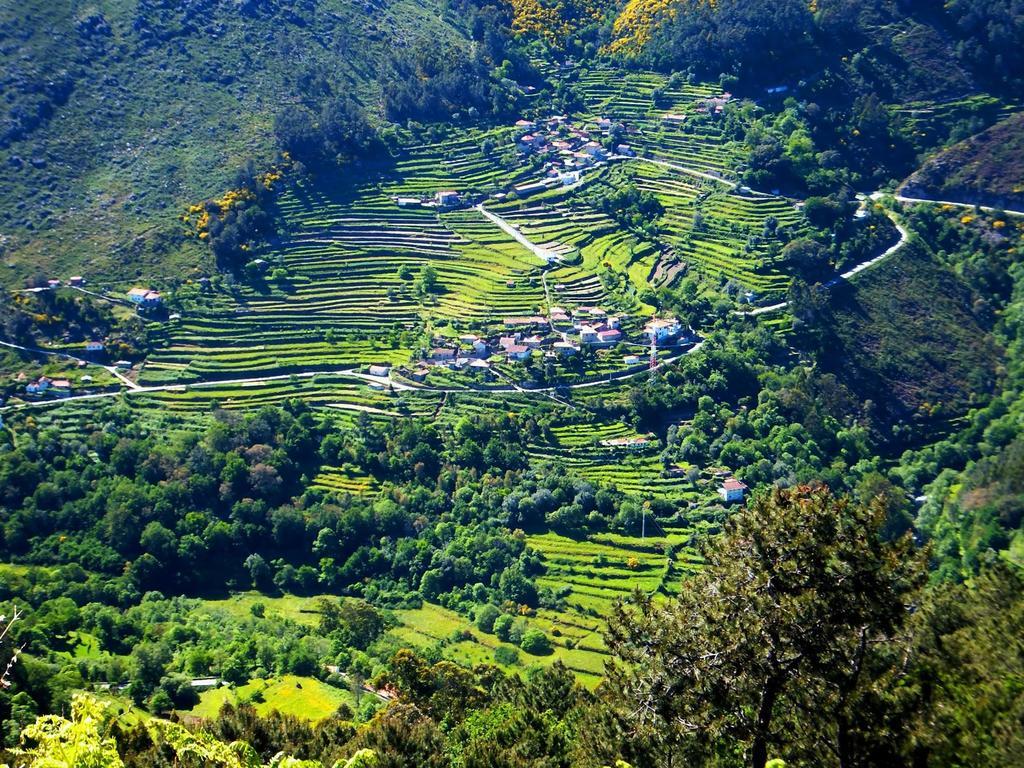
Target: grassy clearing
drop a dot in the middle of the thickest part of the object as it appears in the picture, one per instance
(304, 697)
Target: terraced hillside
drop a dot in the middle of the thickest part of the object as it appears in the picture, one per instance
(346, 301)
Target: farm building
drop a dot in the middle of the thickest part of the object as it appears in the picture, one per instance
(420, 374)
(380, 370)
(60, 386)
(442, 353)
(94, 346)
(76, 280)
(588, 335)
(609, 336)
(627, 443)
(446, 198)
(529, 320)
(565, 348)
(533, 342)
(39, 386)
(732, 490)
(524, 190)
(631, 360)
(145, 298)
(518, 352)
(407, 202)
(626, 150)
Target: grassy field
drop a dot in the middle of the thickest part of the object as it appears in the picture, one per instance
(304, 697)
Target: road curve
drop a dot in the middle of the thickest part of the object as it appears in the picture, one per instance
(988, 209)
(843, 276)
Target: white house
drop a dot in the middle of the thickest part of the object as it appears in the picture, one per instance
(588, 335)
(94, 346)
(144, 298)
(565, 348)
(518, 352)
(631, 360)
(663, 330)
(447, 197)
(732, 490)
(380, 370)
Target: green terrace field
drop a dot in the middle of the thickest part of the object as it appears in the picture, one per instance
(304, 697)
(577, 447)
(592, 243)
(187, 407)
(457, 163)
(577, 644)
(342, 480)
(345, 301)
(695, 142)
(720, 232)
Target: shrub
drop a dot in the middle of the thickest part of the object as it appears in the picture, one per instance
(507, 655)
(535, 642)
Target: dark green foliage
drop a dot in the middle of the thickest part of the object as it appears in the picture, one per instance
(787, 616)
(339, 134)
(430, 82)
(761, 40)
(631, 207)
(910, 339)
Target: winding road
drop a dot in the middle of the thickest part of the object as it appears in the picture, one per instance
(843, 276)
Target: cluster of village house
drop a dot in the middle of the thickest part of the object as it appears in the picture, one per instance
(568, 150)
(144, 299)
(562, 334)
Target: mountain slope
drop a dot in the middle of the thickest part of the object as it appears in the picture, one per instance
(119, 113)
(987, 169)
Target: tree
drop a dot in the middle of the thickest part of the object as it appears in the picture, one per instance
(427, 282)
(772, 647)
(535, 642)
(503, 627)
(808, 258)
(486, 617)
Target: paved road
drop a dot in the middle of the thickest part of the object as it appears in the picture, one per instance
(351, 373)
(844, 276)
(987, 209)
(545, 254)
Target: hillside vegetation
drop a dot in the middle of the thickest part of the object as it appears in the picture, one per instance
(120, 114)
(987, 169)
(909, 339)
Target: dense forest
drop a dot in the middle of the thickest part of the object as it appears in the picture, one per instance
(730, 675)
